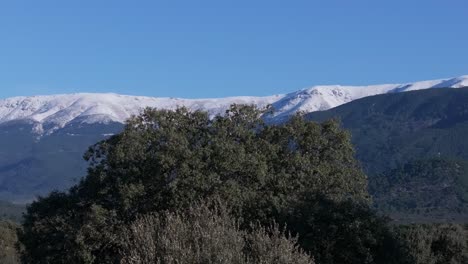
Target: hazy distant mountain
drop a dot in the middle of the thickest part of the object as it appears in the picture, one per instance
(29, 167)
(43, 138)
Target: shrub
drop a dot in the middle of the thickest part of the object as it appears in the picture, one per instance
(206, 234)
(347, 231)
(8, 239)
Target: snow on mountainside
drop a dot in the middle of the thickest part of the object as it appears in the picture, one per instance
(319, 98)
(49, 113)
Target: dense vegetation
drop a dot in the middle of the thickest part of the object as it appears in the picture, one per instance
(408, 131)
(179, 187)
(206, 233)
(435, 244)
(433, 189)
(166, 160)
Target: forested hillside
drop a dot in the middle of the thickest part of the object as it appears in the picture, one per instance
(392, 129)
(433, 190)
(413, 146)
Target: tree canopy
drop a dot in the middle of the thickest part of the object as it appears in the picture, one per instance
(165, 160)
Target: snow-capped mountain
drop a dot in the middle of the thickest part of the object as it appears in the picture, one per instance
(320, 98)
(49, 113)
(43, 138)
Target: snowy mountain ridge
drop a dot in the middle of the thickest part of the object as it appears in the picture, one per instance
(49, 113)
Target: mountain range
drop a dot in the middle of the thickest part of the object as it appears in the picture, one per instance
(47, 114)
(43, 138)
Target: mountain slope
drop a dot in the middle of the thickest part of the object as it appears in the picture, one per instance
(414, 148)
(427, 189)
(319, 98)
(391, 129)
(31, 167)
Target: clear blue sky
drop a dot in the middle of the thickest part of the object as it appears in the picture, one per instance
(215, 48)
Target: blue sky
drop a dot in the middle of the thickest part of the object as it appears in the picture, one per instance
(216, 48)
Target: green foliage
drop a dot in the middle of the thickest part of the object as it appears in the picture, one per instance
(165, 160)
(426, 187)
(47, 226)
(205, 233)
(344, 232)
(8, 239)
(436, 244)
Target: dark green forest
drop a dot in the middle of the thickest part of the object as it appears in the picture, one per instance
(179, 187)
(424, 190)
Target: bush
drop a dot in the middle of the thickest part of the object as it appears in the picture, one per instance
(206, 234)
(436, 243)
(348, 232)
(8, 239)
